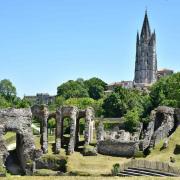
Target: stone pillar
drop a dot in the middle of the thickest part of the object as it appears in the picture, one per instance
(59, 130)
(100, 132)
(72, 140)
(91, 130)
(88, 120)
(44, 135)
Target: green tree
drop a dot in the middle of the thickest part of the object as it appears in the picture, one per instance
(122, 100)
(72, 89)
(7, 89)
(132, 120)
(4, 103)
(166, 91)
(51, 124)
(96, 87)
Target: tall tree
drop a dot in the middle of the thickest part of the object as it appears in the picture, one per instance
(72, 89)
(7, 89)
(96, 87)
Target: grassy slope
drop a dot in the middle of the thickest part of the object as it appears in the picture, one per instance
(164, 155)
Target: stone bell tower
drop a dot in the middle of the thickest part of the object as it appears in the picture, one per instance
(146, 58)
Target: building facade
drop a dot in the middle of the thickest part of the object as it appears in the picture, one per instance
(146, 58)
(40, 98)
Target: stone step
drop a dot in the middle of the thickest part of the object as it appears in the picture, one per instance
(155, 171)
(144, 172)
(131, 173)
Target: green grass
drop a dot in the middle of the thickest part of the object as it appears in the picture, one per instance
(9, 135)
(89, 178)
(164, 155)
(101, 164)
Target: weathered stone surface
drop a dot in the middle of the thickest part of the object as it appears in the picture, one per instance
(42, 113)
(19, 121)
(117, 148)
(74, 114)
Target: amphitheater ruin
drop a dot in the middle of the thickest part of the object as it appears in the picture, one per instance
(117, 142)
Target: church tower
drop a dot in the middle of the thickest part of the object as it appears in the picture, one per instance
(146, 58)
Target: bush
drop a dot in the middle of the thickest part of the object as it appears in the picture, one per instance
(132, 120)
(116, 169)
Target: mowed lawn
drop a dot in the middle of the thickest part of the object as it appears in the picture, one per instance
(88, 178)
(102, 165)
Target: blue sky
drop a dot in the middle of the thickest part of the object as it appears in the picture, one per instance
(44, 43)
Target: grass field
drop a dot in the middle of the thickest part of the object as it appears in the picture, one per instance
(101, 164)
(88, 178)
(159, 154)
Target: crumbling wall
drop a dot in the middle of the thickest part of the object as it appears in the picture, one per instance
(19, 121)
(118, 148)
(74, 114)
(41, 112)
(164, 123)
(117, 143)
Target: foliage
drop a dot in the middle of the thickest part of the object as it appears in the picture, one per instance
(72, 89)
(83, 103)
(7, 89)
(122, 100)
(166, 91)
(116, 169)
(3, 102)
(132, 120)
(51, 124)
(96, 88)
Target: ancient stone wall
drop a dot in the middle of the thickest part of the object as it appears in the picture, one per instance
(18, 121)
(118, 148)
(164, 123)
(74, 114)
(41, 112)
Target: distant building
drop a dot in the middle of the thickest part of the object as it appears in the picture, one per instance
(164, 72)
(146, 58)
(40, 98)
(124, 84)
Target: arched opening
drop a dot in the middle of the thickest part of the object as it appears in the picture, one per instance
(80, 133)
(14, 158)
(65, 136)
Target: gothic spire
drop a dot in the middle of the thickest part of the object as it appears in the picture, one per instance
(137, 39)
(146, 31)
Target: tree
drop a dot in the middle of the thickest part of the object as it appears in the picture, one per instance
(122, 100)
(166, 91)
(96, 92)
(96, 87)
(7, 89)
(72, 89)
(51, 124)
(132, 120)
(4, 103)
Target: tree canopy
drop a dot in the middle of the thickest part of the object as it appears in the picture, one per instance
(166, 91)
(7, 89)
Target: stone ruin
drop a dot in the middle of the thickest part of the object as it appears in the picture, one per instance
(163, 122)
(72, 112)
(18, 121)
(117, 142)
(75, 115)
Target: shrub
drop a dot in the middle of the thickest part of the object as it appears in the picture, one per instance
(116, 169)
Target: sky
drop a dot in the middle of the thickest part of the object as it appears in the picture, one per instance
(44, 43)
